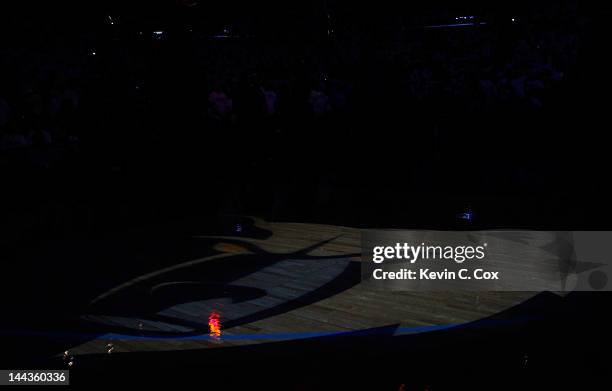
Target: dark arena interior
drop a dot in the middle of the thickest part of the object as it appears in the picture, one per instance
(189, 187)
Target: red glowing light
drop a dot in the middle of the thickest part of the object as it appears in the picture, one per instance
(214, 324)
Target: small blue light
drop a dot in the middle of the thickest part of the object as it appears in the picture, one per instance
(467, 216)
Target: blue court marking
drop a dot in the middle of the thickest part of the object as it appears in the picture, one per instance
(252, 337)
